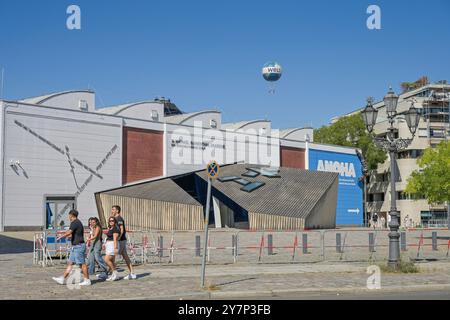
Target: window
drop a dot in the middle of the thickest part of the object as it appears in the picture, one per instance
(250, 173)
(401, 195)
(373, 197)
(252, 186)
(382, 177)
(213, 123)
(227, 178)
(242, 181)
(423, 133)
(154, 115)
(83, 105)
(437, 133)
(410, 154)
(267, 172)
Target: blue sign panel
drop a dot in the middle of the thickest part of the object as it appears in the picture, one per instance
(349, 209)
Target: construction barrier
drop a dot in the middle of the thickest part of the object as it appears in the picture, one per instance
(262, 246)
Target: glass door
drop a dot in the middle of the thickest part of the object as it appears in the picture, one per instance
(57, 211)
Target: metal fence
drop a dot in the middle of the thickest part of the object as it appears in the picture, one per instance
(268, 246)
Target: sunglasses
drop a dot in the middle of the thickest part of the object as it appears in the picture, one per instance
(111, 221)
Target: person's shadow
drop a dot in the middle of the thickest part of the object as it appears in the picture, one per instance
(138, 276)
(14, 245)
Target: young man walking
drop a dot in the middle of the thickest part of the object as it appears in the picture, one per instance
(78, 249)
(115, 210)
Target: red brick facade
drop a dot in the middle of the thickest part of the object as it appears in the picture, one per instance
(292, 157)
(143, 154)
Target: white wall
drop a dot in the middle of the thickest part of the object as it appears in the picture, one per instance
(1, 167)
(89, 138)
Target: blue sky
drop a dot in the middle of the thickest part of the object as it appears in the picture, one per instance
(209, 54)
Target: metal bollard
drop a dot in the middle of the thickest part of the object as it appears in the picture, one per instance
(233, 245)
(338, 243)
(322, 243)
(403, 241)
(371, 242)
(161, 246)
(269, 244)
(197, 246)
(305, 243)
(434, 240)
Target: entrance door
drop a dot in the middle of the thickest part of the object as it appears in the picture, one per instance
(57, 211)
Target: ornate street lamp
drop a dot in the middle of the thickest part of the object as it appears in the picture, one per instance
(369, 115)
(412, 117)
(390, 102)
(393, 146)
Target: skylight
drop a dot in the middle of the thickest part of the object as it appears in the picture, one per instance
(252, 186)
(242, 181)
(267, 172)
(250, 173)
(227, 178)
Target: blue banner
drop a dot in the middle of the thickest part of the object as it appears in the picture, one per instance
(349, 209)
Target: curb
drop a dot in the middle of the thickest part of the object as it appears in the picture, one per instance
(272, 293)
(262, 293)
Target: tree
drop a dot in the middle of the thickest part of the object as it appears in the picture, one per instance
(433, 179)
(350, 131)
(407, 86)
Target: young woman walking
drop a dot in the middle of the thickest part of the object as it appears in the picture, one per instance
(112, 247)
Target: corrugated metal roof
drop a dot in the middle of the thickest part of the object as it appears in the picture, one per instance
(294, 194)
(161, 190)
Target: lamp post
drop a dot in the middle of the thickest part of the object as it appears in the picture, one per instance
(392, 145)
(365, 172)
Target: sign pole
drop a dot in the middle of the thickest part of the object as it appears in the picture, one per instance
(205, 246)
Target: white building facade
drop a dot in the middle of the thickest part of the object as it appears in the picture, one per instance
(58, 150)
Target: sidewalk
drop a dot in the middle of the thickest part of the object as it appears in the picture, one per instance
(21, 280)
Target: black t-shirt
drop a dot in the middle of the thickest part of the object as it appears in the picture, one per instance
(121, 222)
(110, 233)
(77, 232)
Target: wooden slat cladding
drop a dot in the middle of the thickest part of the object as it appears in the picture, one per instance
(143, 154)
(144, 214)
(258, 221)
(292, 157)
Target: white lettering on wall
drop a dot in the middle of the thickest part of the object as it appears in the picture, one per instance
(345, 169)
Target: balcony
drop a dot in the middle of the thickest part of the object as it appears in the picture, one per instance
(375, 206)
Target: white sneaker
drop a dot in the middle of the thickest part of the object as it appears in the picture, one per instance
(130, 276)
(60, 280)
(112, 277)
(85, 282)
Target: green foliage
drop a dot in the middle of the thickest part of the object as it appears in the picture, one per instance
(350, 131)
(402, 267)
(407, 86)
(433, 179)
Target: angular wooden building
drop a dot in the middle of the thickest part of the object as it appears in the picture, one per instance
(245, 196)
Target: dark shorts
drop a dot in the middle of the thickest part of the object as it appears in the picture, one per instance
(123, 247)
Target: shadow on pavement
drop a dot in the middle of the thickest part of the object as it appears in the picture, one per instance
(13, 245)
(235, 281)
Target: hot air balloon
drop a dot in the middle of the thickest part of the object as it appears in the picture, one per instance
(271, 72)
